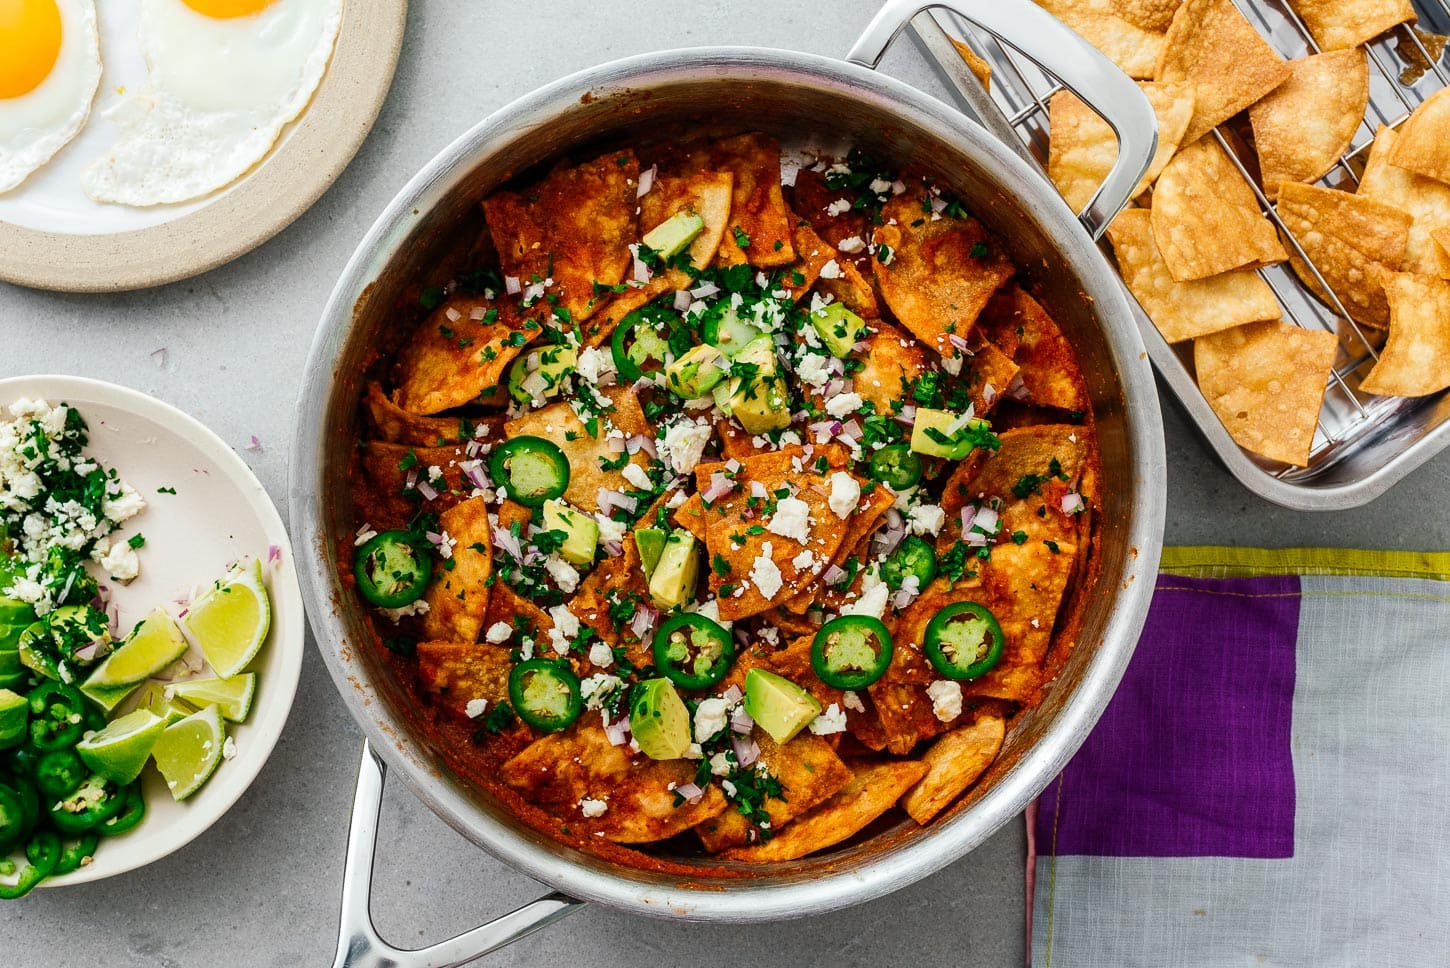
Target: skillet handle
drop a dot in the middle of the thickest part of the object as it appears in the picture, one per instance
(1042, 39)
(360, 946)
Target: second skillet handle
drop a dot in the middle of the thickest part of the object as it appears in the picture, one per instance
(1042, 39)
(360, 946)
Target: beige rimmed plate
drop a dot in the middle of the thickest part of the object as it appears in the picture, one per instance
(52, 236)
(219, 513)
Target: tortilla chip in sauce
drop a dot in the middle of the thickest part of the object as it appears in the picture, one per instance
(574, 227)
(400, 426)
(460, 672)
(1415, 361)
(830, 212)
(457, 596)
(388, 468)
(703, 193)
(953, 763)
(809, 772)
(587, 454)
(893, 361)
(1048, 369)
(459, 355)
(757, 207)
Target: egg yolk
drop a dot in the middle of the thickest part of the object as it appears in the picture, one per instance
(29, 44)
(226, 9)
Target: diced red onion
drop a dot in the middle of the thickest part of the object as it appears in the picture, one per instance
(690, 792)
(274, 554)
(159, 356)
(473, 470)
(989, 394)
(429, 492)
(412, 479)
(836, 366)
(975, 538)
(87, 653)
(907, 593)
(646, 181)
(907, 415)
(614, 548)
(732, 695)
(640, 442)
(511, 285)
(987, 520)
(757, 489)
(833, 387)
(453, 314)
(834, 574)
(720, 485)
(1071, 502)
(614, 444)
(705, 291)
(642, 272)
(254, 445)
(959, 342)
(852, 429)
(682, 300)
(969, 514)
(887, 539)
(746, 750)
(861, 345)
(618, 731)
(740, 721)
(472, 448)
(505, 539)
(1017, 390)
(644, 620)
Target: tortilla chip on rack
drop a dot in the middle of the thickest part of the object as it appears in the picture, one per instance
(1422, 140)
(1415, 360)
(1342, 24)
(1154, 15)
(1266, 382)
(936, 275)
(458, 595)
(1083, 148)
(1184, 310)
(703, 193)
(980, 69)
(1302, 128)
(1206, 219)
(1426, 199)
(459, 354)
(1214, 47)
(1124, 42)
(559, 770)
(809, 772)
(461, 672)
(1046, 364)
(953, 763)
(758, 207)
(587, 453)
(574, 227)
(1350, 239)
(1441, 238)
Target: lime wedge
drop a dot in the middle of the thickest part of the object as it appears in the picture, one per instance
(230, 621)
(232, 696)
(153, 698)
(151, 647)
(119, 751)
(107, 697)
(189, 750)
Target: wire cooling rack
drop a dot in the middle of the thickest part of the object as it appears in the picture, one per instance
(1362, 443)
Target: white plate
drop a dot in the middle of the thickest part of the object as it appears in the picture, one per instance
(219, 513)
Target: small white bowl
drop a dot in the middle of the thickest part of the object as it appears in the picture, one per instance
(220, 513)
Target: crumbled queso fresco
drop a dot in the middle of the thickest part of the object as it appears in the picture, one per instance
(59, 509)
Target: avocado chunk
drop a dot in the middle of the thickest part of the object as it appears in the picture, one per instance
(581, 532)
(659, 720)
(758, 396)
(778, 706)
(721, 393)
(697, 372)
(670, 237)
(941, 433)
(650, 542)
(838, 328)
(676, 573)
(541, 372)
(727, 332)
(14, 714)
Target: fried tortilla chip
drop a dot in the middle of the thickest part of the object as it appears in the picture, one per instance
(829, 210)
(1206, 219)
(508, 606)
(704, 193)
(1442, 250)
(760, 224)
(691, 516)
(457, 596)
(1426, 199)
(851, 288)
(873, 789)
(574, 227)
(1350, 238)
(1342, 24)
(460, 672)
(400, 426)
(953, 763)
(809, 772)
(1153, 15)
(765, 567)
(392, 472)
(588, 453)
(1184, 310)
(1423, 142)
(980, 69)
(939, 273)
(1134, 49)
(813, 254)
(1415, 361)
(1213, 46)
(1046, 364)
(1083, 147)
(600, 328)
(614, 579)
(459, 354)
(858, 524)
(1303, 127)
(893, 361)
(560, 770)
(1024, 586)
(1266, 382)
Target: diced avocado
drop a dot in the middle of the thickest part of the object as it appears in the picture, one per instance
(721, 393)
(838, 328)
(670, 237)
(581, 532)
(697, 372)
(650, 542)
(541, 372)
(676, 573)
(14, 714)
(941, 433)
(778, 706)
(758, 397)
(659, 720)
(727, 332)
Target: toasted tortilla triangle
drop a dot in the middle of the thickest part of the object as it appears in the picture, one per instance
(1441, 238)
(980, 69)
(953, 763)
(809, 772)
(757, 207)
(588, 453)
(1421, 145)
(893, 361)
(1343, 24)
(1132, 47)
(389, 498)
(703, 193)
(460, 672)
(400, 426)
(1303, 127)
(459, 355)
(1083, 147)
(457, 596)
(1426, 199)
(1415, 360)
(1046, 364)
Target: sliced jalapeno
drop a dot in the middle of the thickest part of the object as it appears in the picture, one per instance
(851, 652)
(76, 853)
(693, 652)
(896, 466)
(534, 470)
(964, 641)
(638, 347)
(913, 558)
(43, 853)
(392, 569)
(59, 772)
(133, 811)
(94, 802)
(545, 694)
(15, 819)
(57, 716)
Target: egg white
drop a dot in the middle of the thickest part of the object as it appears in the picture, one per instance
(40, 122)
(219, 93)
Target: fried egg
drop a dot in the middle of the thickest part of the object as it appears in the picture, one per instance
(224, 78)
(50, 66)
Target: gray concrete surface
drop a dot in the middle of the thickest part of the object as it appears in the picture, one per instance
(261, 888)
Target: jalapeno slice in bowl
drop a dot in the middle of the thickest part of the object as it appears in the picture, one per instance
(693, 652)
(545, 694)
(964, 641)
(534, 470)
(851, 652)
(638, 347)
(896, 466)
(392, 569)
(913, 558)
